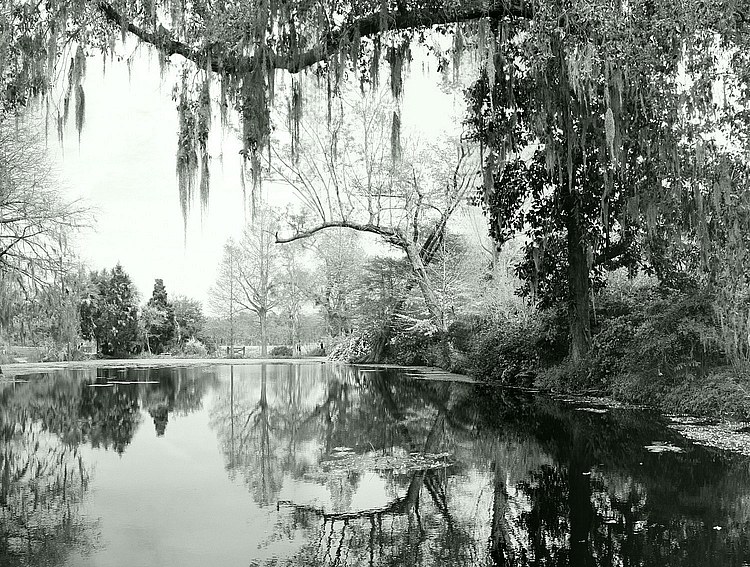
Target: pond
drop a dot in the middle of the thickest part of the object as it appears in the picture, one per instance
(325, 464)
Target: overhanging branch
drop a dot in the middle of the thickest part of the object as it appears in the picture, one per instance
(370, 25)
(391, 235)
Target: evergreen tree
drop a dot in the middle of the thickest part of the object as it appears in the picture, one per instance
(160, 323)
(109, 315)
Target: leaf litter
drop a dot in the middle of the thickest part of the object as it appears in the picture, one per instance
(729, 435)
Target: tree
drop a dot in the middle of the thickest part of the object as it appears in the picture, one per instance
(335, 279)
(189, 319)
(159, 319)
(292, 291)
(618, 107)
(348, 179)
(109, 315)
(250, 273)
(38, 269)
(634, 86)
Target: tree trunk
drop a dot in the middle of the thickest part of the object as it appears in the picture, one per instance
(581, 513)
(262, 317)
(500, 553)
(579, 286)
(430, 297)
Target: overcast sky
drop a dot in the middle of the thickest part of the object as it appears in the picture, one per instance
(124, 167)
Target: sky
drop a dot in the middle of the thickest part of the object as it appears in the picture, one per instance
(123, 167)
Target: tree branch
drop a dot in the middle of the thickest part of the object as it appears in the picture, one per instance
(369, 25)
(391, 235)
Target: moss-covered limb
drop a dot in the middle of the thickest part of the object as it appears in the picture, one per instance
(404, 18)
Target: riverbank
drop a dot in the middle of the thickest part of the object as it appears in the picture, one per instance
(713, 431)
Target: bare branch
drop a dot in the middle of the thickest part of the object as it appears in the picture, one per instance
(391, 235)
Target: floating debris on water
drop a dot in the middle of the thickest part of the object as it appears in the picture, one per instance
(593, 410)
(730, 436)
(344, 462)
(660, 447)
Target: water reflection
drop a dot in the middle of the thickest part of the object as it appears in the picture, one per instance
(350, 466)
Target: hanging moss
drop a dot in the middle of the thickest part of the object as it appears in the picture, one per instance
(395, 56)
(395, 137)
(203, 127)
(375, 62)
(295, 117)
(458, 51)
(187, 156)
(80, 109)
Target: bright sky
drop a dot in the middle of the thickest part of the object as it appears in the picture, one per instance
(124, 167)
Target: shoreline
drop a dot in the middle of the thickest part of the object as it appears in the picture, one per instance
(21, 368)
(721, 433)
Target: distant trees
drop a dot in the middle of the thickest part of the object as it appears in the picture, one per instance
(250, 273)
(109, 313)
(293, 290)
(347, 178)
(189, 319)
(338, 258)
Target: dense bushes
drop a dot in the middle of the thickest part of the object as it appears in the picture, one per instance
(193, 348)
(651, 344)
(281, 351)
(509, 346)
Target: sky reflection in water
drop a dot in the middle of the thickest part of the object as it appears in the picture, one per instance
(312, 464)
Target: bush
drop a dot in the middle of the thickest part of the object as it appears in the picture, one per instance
(353, 348)
(194, 348)
(417, 348)
(281, 351)
(656, 332)
(648, 341)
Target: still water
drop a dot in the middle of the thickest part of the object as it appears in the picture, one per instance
(322, 464)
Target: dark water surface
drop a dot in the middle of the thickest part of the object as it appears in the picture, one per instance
(317, 464)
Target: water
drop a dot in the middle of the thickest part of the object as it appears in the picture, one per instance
(315, 464)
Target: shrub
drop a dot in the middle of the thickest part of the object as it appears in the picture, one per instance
(351, 349)
(507, 346)
(194, 348)
(281, 351)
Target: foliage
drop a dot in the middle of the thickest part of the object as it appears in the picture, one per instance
(281, 351)
(109, 314)
(159, 320)
(292, 290)
(506, 347)
(40, 281)
(189, 319)
(334, 281)
(194, 348)
(352, 348)
(317, 351)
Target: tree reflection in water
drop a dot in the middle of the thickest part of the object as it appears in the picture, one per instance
(43, 474)
(356, 466)
(531, 481)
